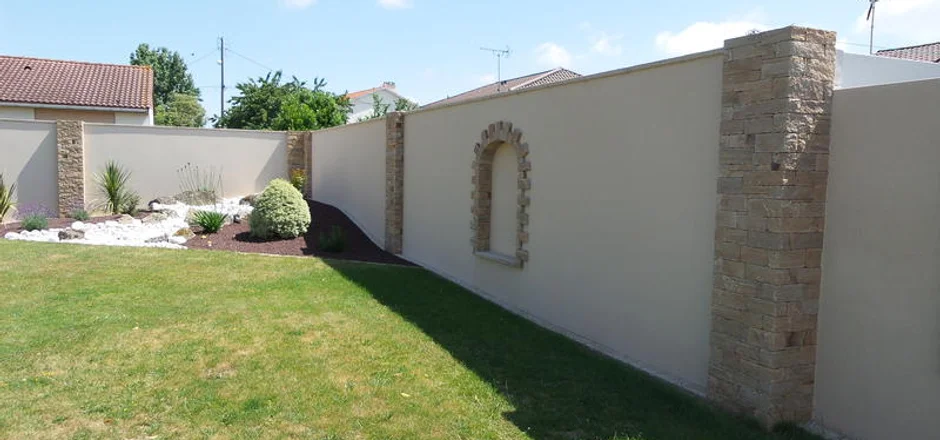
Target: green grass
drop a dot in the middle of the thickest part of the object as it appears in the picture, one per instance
(117, 343)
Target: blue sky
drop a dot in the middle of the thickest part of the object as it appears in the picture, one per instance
(430, 48)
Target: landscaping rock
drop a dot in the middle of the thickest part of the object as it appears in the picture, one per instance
(249, 199)
(196, 198)
(161, 201)
(155, 217)
(240, 218)
(177, 240)
(125, 219)
(71, 234)
(185, 233)
(161, 239)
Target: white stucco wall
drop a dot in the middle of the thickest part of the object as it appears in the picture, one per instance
(28, 159)
(362, 106)
(348, 172)
(622, 215)
(248, 160)
(133, 118)
(878, 368)
(855, 70)
(7, 112)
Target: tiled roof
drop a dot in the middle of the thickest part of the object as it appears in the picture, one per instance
(524, 82)
(925, 52)
(366, 92)
(73, 83)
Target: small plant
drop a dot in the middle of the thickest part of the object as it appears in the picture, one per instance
(333, 242)
(113, 185)
(280, 212)
(210, 221)
(33, 216)
(6, 197)
(298, 178)
(199, 187)
(80, 215)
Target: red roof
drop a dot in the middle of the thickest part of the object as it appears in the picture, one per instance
(74, 83)
(925, 52)
(523, 82)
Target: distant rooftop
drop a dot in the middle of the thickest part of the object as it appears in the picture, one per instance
(74, 83)
(523, 82)
(924, 52)
(388, 86)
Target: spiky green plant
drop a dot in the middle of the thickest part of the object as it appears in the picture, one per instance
(6, 197)
(113, 184)
(210, 221)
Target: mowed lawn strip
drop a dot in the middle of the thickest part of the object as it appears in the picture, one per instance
(124, 343)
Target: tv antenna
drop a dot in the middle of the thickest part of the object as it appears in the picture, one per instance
(871, 18)
(499, 54)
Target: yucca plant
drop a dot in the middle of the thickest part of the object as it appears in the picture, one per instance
(334, 241)
(210, 221)
(113, 185)
(6, 197)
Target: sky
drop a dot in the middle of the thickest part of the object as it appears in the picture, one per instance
(429, 48)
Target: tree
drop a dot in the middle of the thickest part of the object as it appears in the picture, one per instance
(267, 104)
(380, 108)
(170, 74)
(182, 110)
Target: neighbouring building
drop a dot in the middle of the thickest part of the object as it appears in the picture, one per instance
(43, 89)
(523, 82)
(362, 101)
(929, 53)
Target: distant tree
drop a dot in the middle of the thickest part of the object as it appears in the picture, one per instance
(170, 74)
(267, 104)
(182, 110)
(380, 108)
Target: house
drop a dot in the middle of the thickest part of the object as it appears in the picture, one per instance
(362, 101)
(43, 89)
(536, 79)
(929, 53)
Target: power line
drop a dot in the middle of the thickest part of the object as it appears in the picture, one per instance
(250, 60)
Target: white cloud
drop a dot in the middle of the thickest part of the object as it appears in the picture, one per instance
(552, 55)
(396, 4)
(703, 36)
(298, 4)
(908, 22)
(603, 43)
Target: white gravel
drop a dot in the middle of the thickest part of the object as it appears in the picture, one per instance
(156, 235)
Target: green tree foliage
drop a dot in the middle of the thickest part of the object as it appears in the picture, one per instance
(170, 74)
(181, 110)
(268, 104)
(380, 108)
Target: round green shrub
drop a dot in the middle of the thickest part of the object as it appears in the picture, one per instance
(280, 212)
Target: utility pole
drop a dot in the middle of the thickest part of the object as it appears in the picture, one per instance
(871, 18)
(222, 77)
(500, 54)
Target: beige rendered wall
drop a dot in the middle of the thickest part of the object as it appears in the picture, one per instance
(248, 160)
(28, 159)
(622, 213)
(878, 367)
(132, 118)
(7, 112)
(349, 173)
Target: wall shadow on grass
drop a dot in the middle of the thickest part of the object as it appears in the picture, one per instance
(560, 389)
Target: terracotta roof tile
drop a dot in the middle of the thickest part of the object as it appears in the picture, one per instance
(74, 83)
(925, 52)
(521, 83)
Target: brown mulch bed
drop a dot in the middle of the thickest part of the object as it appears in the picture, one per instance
(236, 237)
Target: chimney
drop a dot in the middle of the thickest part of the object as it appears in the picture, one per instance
(388, 85)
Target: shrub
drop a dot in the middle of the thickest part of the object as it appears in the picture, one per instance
(80, 215)
(334, 242)
(34, 222)
(6, 197)
(210, 221)
(298, 178)
(280, 212)
(113, 185)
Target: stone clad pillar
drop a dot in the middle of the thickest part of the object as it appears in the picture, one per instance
(70, 141)
(774, 155)
(299, 155)
(394, 180)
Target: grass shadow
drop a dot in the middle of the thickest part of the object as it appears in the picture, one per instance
(559, 388)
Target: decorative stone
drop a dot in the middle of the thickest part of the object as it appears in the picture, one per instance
(70, 138)
(156, 217)
(394, 181)
(125, 219)
(161, 201)
(71, 234)
(249, 200)
(185, 233)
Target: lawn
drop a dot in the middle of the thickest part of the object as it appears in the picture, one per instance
(126, 343)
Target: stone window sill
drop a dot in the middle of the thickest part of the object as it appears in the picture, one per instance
(503, 259)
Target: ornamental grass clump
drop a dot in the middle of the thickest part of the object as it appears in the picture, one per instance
(6, 197)
(34, 216)
(280, 212)
(114, 185)
(210, 221)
